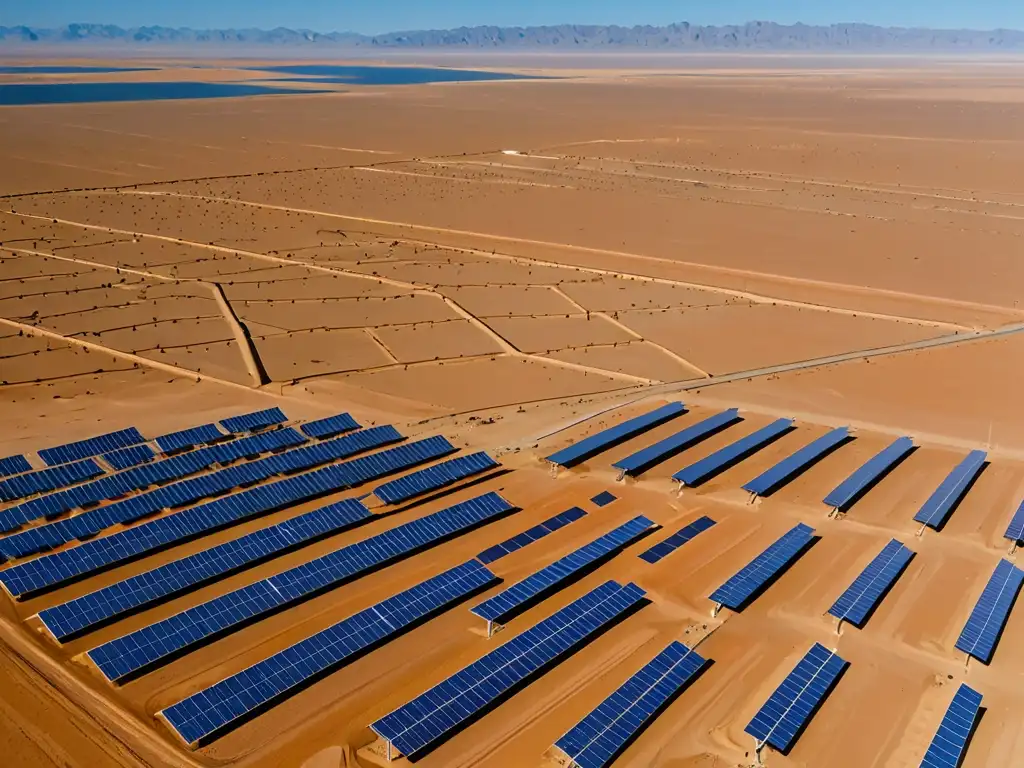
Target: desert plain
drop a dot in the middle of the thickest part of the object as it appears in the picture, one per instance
(516, 265)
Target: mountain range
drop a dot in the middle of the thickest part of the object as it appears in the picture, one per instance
(754, 36)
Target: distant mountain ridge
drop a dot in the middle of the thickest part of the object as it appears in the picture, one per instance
(754, 36)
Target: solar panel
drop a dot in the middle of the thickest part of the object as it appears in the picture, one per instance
(215, 710)
(514, 600)
(950, 741)
(676, 540)
(434, 478)
(867, 475)
(126, 458)
(432, 716)
(43, 480)
(857, 602)
(670, 446)
(612, 436)
(250, 422)
(604, 498)
(741, 587)
(602, 735)
(722, 459)
(982, 630)
(796, 699)
(1015, 530)
(14, 465)
(940, 504)
(93, 446)
(189, 438)
(88, 613)
(772, 479)
(156, 644)
(531, 535)
(53, 569)
(123, 483)
(329, 427)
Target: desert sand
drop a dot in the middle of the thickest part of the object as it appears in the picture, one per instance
(517, 265)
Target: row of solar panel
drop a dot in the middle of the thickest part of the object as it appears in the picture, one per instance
(48, 572)
(135, 479)
(531, 535)
(194, 489)
(44, 480)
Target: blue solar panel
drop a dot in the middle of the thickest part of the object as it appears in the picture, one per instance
(531, 535)
(84, 449)
(612, 436)
(857, 602)
(941, 503)
(980, 634)
(224, 705)
(752, 577)
(432, 716)
(329, 427)
(720, 460)
(14, 465)
(514, 600)
(604, 498)
(43, 480)
(670, 446)
(602, 735)
(46, 572)
(676, 540)
(250, 422)
(158, 643)
(90, 612)
(795, 701)
(123, 483)
(126, 458)
(189, 438)
(867, 475)
(1015, 530)
(950, 741)
(772, 479)
(434, 478)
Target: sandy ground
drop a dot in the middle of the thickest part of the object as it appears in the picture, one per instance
(835, 242)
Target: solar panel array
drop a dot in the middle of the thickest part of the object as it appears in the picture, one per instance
(940, 504)
(512, 601)
(135, 479)
(869, 473)
(982, 630)
(531, 535)
(676, 540)
(706, 468)
(85, 614)
(43, 480)
(774, 478)
(605, 439)
(189, 438)
(602, 735)
(857, 602)
(793, 703)
(753, 576)
(132, 654)
(14, 465)
(329, 427)
(229, 702)
(93, 446)
(250, 422)
(950, 741)
(434, 478)
(1015, 530)
(126, 458)
(670, 446)
(433, 715)
(51, 571)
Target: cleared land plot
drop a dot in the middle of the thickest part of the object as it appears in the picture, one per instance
(436, 341)
(303, 354)
(541, 334)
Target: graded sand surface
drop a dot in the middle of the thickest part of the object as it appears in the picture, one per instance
(517, 265)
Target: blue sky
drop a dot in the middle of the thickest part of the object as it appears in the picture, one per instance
(374, 16)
